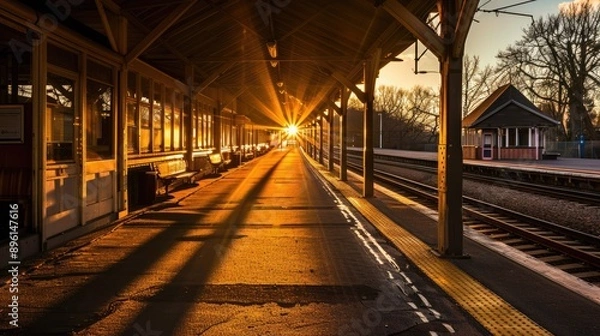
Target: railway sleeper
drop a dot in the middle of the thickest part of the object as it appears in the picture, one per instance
(586, 275)
(540, 253)
(571, 267)
(501, 236)
(514, 241)
(555, 259)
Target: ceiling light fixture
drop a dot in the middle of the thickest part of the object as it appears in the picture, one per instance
(272, 48)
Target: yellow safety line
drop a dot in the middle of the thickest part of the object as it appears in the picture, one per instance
(490, 310)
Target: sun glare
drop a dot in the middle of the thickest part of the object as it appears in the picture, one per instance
(292, 130)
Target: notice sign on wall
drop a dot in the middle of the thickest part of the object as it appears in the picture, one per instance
(11, 123)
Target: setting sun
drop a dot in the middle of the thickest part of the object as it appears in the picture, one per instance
(292, 130)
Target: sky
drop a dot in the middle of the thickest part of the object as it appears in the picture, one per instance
(491, 34)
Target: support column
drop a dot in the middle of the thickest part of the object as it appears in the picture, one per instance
(343, 135)
(216, 129)
(331, 129)
(320, 123)
(371, 68)
(450, 227)
(313, 150)
(188, 109)
(122, 206)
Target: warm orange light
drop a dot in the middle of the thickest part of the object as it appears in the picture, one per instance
(292, 130)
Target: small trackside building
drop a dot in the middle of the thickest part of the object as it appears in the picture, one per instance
(506, 126)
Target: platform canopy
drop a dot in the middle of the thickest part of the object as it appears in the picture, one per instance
(264, 52)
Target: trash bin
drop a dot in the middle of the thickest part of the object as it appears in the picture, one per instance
(236, 159)
(147, 187)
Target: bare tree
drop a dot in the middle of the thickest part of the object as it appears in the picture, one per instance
(409, 118)
(477, 84)
(558, 62)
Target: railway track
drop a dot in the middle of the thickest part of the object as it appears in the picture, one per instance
(585, 197)
(571, 251)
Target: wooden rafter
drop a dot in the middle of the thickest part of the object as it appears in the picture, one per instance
(159, 30)
(106, 25)
(333, 106)
(346, 82)
(416, 26)
(213, 77)
(465, 18)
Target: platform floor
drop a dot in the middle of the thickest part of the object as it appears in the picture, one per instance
(279, 246)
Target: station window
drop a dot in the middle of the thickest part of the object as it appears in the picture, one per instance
(185, 124)
(195, 127)
(177, 122)
(209, 132)
(63, 58)
(157, 120)
(144, 110)
(169, 119)
(132, 113)
(15, 76)
(201, 131)
(99, 112)
(60, 118)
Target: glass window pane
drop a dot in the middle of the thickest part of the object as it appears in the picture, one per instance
(168, 119)
(177, 123)
(132, 84)
(60, 118)
(63, 58)
(145, 115)
(99, 121)
(99, 72)
(157, 112)
(15, 77)
(209, 132)
(132, 127)
(195, 128)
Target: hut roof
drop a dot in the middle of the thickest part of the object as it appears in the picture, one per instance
(507, 107)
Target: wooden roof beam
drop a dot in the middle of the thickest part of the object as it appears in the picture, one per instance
(106, 25)
(213, 77)
(111, 5)
(159, 30)
(416, 26)
(334, 107)
(465, 18)
(343, 80)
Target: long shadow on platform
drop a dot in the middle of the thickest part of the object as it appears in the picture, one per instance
(82, 308)
(202, 263)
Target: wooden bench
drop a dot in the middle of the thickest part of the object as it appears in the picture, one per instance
(171, 171)
(550, 155)
(217, 162)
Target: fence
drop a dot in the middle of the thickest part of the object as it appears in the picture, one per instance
(589, 149)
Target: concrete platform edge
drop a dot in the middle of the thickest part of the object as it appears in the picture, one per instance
(495, 314)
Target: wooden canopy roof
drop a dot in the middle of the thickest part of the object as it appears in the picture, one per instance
(281, 58)
(507, 107)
